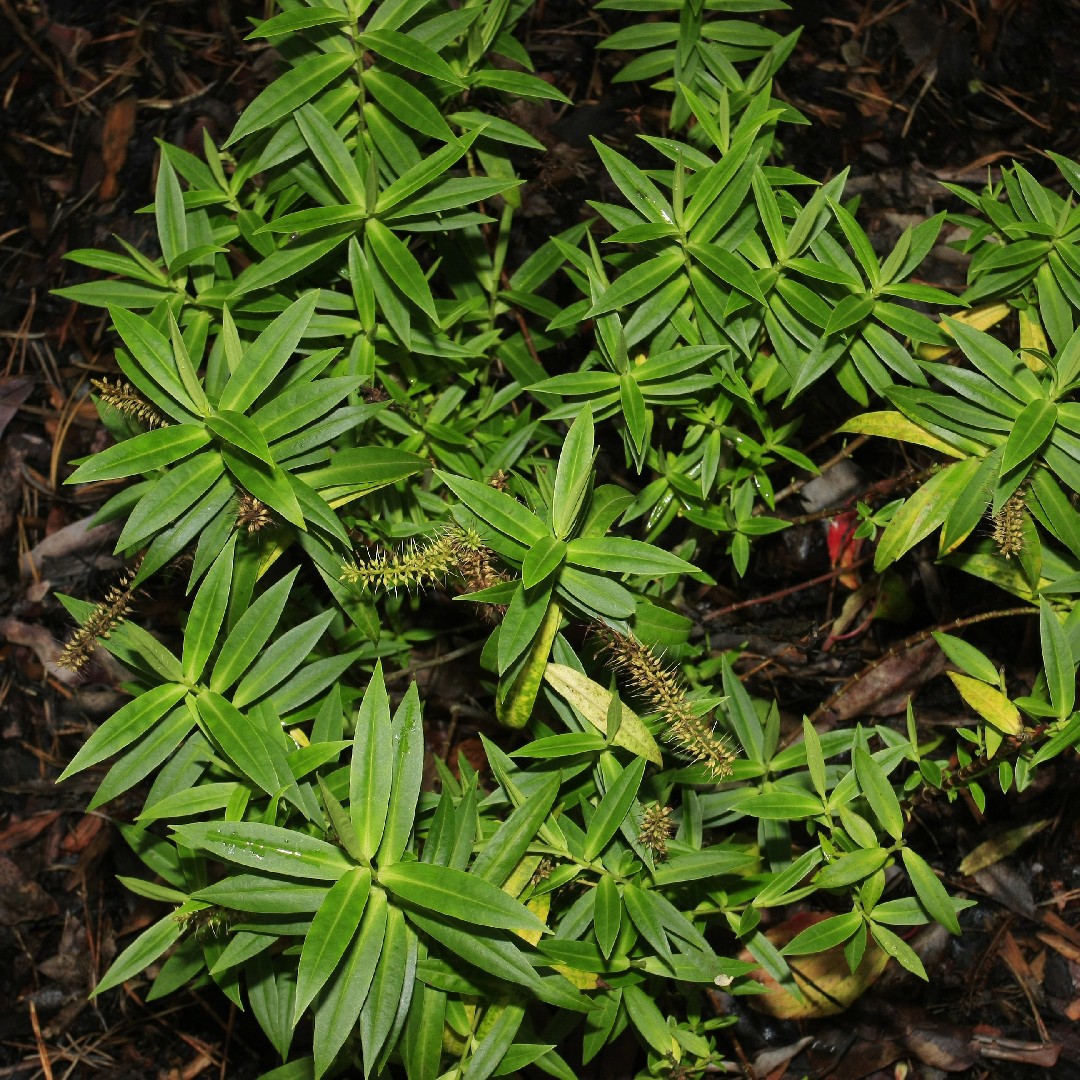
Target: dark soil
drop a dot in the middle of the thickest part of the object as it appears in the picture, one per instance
(905, 94)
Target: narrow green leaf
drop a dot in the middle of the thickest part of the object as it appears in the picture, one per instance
(505, 849)
(279, 661)
(848, 869)
(789, 878)
(411, 54)
(520, 83)
(271, 989)
(543, 559)
(371, 766)
(781, 805)
(729, 267)
(268, 483)
(613, 808)
(310, 680)
(408, 740)
(287, 263)
(494, 1045)
(191, 801)
(498, 509)
(639, 190)
(407, 104)
(639, 282)
(268, 354)
(744, 718)
(143, 951)
(1058, 662)
(145, 756)
(967, 658)
(815, 760)
(1029, 432)
(898, 949)
(239, 431)
(879, 793)
(400, 266)
(251, 632)
(931, 892)
(823, 935)
(330, 151)
(523, 625)
(264, 895)
(207, 614)
(155, 365)
(391, 988)
(118, 294)
(490, 954)
(713, 862)
(169, 212)
(332, 931)
(142, 454)
(621, 555)
(344, 995)
(125, 726)
(452, 893)
(607, 914)
(924, 511)
(288, 22)
(573, 475)
(266, 847)
(239, 738)
(170, 497)
(635, 412)
(421, 1044)
(642, 909)
(427, 170)
(293, 89)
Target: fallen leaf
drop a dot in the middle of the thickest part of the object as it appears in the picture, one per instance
(22, 832)
(46, 647)
(827, 983)
(21, 898)
(69, 40)
(14, 391)
(999, 847)
(116, 134)
(884, 689)
(1003, 884)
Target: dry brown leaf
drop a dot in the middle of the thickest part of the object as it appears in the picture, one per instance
(22, 832)
(116, 134)
(21, 898)
(884, 689)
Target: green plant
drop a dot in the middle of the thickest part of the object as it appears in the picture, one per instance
(340, 391)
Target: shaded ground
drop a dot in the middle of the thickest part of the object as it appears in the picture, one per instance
(906, 94)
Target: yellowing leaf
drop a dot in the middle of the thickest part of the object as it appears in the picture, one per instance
(1000, 847)
(581, 980)
(540, 906)
(992, 705)
(982, 318)
(1032, 338)
(593, 701)
(894, 425)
